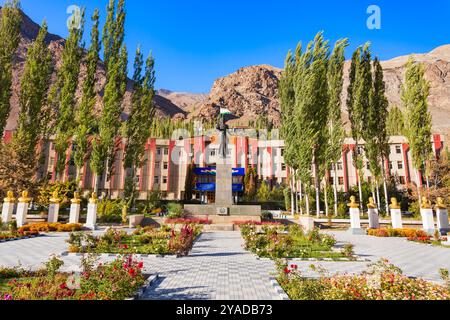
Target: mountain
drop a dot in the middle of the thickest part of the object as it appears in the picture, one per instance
(253, 91)
(29, 32)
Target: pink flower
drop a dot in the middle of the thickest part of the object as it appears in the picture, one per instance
(140, 265)
(7, 297)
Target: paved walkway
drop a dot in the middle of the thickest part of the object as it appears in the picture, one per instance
(415, 259)
(217, 269)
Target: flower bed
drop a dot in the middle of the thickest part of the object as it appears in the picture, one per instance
(282, 242)
(382, 281)
(163, 241)
(51, 227)
(256, 223)
(411, 234)
(188, 221)
(118, 280)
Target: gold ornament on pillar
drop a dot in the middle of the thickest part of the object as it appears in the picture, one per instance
(371, 204)
(440, 203)
(55, 198)
(76, 198)
(394, 204)
(426, 204)
(93, 199)
(9, 197)
(353, 204)
(25, 198)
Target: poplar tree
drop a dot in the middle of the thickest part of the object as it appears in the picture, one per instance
(85, 113)
(336, 133)
(415, 92)
(116, 60)
(375, 131)
(140, 119)
(395, 122)
(35, 83)
(358, 102)
(63, 94)
(11, 20)
(311, 109)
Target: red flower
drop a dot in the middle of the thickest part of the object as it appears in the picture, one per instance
(140, 265)
(286, 270)
(63, 286)
(294, 266)
(132, 272)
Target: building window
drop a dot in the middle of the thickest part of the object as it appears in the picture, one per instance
(398, 149)
(402, 180)
(213, 152)
(164, 180)
(156, 180)
(157, 165)
(400, 165)
(283, 167)
(166, 151)
(282, 152)
(158, 151)
(391, 166)
(166, 166)
(360, 150)
(341, 181)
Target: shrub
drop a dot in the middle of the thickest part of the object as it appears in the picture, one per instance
(50, 227)
(266, 215)
(110, 211)
(175, 211)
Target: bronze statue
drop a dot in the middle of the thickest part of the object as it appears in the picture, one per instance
(54, 199)
(223, 127)
(9, 197)
(76, 198)
(353, 204)
(440, 203)
(24, 198)
(394, 204)
(426, 204)
(372, 204)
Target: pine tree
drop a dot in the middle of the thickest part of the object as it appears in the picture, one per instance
(336, 133)
(64, 94)
(415, 92)
(84, 116)
(11, 20)
(35, 83)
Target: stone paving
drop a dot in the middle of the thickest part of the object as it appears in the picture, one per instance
(220, 269)
(415, 259)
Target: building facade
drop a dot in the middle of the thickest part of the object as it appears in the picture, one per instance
(170, 164)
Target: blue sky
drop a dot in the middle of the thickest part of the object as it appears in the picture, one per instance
(195, 42)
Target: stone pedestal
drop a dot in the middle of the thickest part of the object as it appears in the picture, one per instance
(91, 221)
(21, 214)
(396, 217)
(374, 219)
(53, 213)
(136, 220)
(74, 213)
(442, 221)
(224, 184)
(428, 221)
(355, 222)
(7, 212)
(307, 223)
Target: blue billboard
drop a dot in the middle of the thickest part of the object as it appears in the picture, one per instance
(212, 172)
(211, 187)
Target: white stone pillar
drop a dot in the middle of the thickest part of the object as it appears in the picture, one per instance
(91, 221)
(75, 209)
(442, 220)
(8, 208)
(22, 209)
(355, 222)
(428, 220)
(374, 219)
(396, 217)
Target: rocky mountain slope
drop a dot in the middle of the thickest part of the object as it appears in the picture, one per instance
(29, 33)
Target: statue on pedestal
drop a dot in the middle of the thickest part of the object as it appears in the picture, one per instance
(372, 204)
(440, 203)
(353, 204)
(223, 127)
(394, 204)
(9, 197)
(426, 204)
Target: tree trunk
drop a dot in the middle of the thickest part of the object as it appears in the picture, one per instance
(317, 187)
(78, 179)
(386, 196)
(96, 183)
(327, 210)
(335, 190)
(292, 196)
(360, 193)
(300, 197)
(378, 196)
(307, 204)
(419, 194)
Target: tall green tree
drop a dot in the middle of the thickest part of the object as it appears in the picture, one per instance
(375, 130)
(395, 122)
(358, 102)
(85, 121)
(35, 83)
(63, 95)
(311, 110)
(336, 133)
(11, 20)
(415, 93)
(142, 111)
(116, 59)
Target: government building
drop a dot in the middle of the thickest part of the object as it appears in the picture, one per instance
(170, 165)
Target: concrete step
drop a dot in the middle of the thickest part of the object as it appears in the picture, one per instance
(219, 227)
